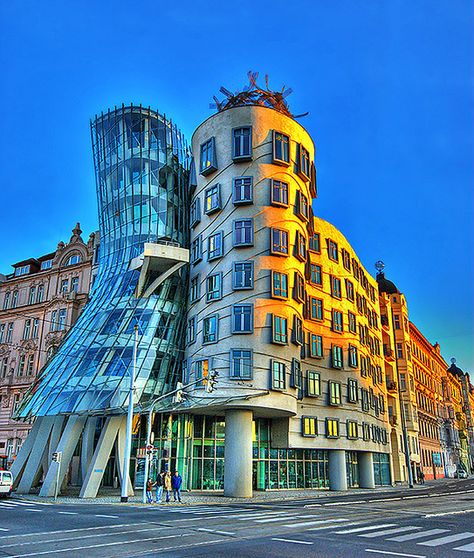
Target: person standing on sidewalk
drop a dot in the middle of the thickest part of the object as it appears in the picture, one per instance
(159, 487)
(167, 485)
(176, 482)
(149, 491)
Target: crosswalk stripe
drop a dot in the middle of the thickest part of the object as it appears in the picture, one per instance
(366, 528)
(248, 517)
(320, 522)
(389, 532)
(281, 518)
(466, 548)
(17, 503)
(413, 536)
(5, 505)
(448, 539)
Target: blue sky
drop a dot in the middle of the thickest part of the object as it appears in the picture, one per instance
(388, 86)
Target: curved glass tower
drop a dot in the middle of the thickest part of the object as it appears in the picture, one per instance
(140, 163)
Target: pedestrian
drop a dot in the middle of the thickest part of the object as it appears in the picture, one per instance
(149, 491)
(422, 477)
(159, 487)
(176, 482)
(167, 485)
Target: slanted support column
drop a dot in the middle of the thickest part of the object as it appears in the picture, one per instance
(366, 470)
(238, 453)
(22, 457)
(67, 444)
(121, 456)
(87, 446)
(337, 470)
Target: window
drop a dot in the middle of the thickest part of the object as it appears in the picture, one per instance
(242, 191)
(296, 374)
(215, 246)
(75, 284)
(9, 332)
(300, 246)
(62, 319)
(40, 293)
(279, 285)
(352, 322)
(208, 160)
(301, 205)
(242, 275)
(364, 399)
(281, 148)
(21, 365)
(352, 390)
(32, 295)
(214, 287)
(337, 324)
(313, 383)
(242, 143)
(23, 270)
(350, 290)
(279, 193)
(298, 336)
(46, 264)
(279, 242)
(212, 199)
(352, 430)
(298, 289)
(241, 364)
(309, 426)
(200, 369)
(278, 378)
(315, 346)
(353, 358)
(346, 259)
(54, 321)
(304, 162)
(332, 428)
(279, 330)
(396, 321)
(34, 334)
(332, 250)
(64, 286)
(399, 350)
(316, 309)
(74, 259)
(27, 329)
(195, 288)
(315, 243)
(6, 301)
(196, 249)
(336, 361)
(365, 432)
(2, 332)
(14, 299)
(242, 318)
(195, 212)
(243, 232)
(30, 365)
(336, 287)
(191, 330)
(334, 393)
(4, 367)
(316, 276)
(210, 326)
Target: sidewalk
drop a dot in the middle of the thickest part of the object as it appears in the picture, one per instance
(195, 498)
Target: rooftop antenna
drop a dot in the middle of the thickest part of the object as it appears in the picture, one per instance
(379, 266)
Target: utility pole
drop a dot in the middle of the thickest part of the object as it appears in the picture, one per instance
(128, 432)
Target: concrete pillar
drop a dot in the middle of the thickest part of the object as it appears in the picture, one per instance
(25, 451)
(67, 444)
(40, 447)
(366, 469)
(238, 453)
(87, 446)
(337, 470)
(120, 456)
(90, 485)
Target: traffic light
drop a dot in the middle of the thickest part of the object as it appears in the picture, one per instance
(211, 381)
(179, 396)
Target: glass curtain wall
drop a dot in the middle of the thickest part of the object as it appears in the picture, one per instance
(382, 469)
(141, 170)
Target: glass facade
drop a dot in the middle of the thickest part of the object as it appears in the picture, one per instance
(140, 164)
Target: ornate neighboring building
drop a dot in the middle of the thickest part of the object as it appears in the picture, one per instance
(39, 302)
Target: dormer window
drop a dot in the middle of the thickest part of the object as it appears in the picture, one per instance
(23, 270)
(46, 264)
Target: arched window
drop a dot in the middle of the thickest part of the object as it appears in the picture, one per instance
(15, 299)
(74, 259)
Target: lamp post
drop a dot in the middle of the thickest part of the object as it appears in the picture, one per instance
(128, 432)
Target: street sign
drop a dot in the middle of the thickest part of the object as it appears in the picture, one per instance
(57, 456)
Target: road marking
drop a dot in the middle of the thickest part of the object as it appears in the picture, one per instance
(75, 530)
(320, 522)
(393, 553)
(366, 528)
(248, 517)
(2, 529)
(312, 505)
(33, 510)
(58, 551)
(281, 518)
(449, 513)
(389, 531)
(283, 540)
(108, 516)
(69, 513)
(6, 505)
(448, 539)
(18, 503)
(217, 532)
(466, 548)
(413, 536)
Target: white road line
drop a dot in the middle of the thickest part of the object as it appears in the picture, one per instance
(59, 532)
(252, 516)
(320, 522)
(413, 536)
(366, 528)
(18, 503)
(282, 518)
(282, 540)
(2, 529)
(387, 552)
(217, 532)
(449, 513)
(389, 532)
(100, 545)
(466, 548)
(108, 516)
(448, 539)
(6, 505)
(33, 510)
(69, 513)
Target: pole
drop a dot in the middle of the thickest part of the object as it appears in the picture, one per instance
(128, 433)
(58, 466)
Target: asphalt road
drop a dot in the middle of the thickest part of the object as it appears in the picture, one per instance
(430, 521)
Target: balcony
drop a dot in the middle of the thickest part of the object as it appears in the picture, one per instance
(388, 353)
(393, 420)
(391, 386)
(384, 321)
